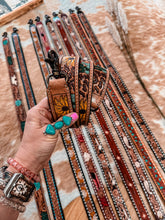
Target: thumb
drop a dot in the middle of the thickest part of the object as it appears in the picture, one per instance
(62, 123)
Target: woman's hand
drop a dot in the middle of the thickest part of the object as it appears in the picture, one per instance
(36, 147)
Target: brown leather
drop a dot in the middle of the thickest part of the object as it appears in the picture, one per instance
(59, 98)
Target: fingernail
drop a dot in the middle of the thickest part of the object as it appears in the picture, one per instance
(74, 116)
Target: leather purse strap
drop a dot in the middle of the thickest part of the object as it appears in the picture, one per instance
(135, 159)
(107, 171)
(58, 46)
(80, 179)
(140, 146)
(124, 93)
(39, 51)
(94, 176)
(30, 98)
(99, 86)
(59, 98)
(69, 27)
(63, 34)
(20, 110)
(48, 171)
(123, 169)
(43, 36)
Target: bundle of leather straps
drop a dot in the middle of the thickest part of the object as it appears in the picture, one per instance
(75, 85)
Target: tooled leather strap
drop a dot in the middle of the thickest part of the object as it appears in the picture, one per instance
(140, 146)
(107, 171)
(67, 22)
(59, 98)
(58, 47)
(85, 90)
(124, 172)
(81, 182)
(135, 159)
(38, 49)
(97, 184)
(54, 197)
(158, 180)
(23, 69)
(30, 98)
(70, 68)
(47, 171)
(99, 86)
(63, 34)
(125, 94)
(20, 110)
(43, 37)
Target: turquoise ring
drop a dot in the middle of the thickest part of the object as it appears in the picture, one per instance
(50, 130)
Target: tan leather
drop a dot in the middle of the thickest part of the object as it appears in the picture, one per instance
(59, 97)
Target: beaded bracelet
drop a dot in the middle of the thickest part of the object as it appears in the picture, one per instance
(6, 202)
(29, 174)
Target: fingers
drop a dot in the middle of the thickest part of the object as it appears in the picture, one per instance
(61, 124)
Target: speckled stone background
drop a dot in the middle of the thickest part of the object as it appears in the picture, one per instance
(146, 21)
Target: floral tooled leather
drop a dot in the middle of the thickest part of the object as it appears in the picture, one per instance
(59, 98)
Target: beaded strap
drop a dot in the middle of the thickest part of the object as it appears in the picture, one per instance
(122, 167)
(20, 110)
(69, 27)
(94, 176)
(23, 69)
(135, 159)
(53, 34)
(140, 146)
(29, 174)
(108, 174)
(53, 192)
(39, 51)
(43, 37)
(125, 94)
(63, 34)
(85, 38)
(157, 178)
(101, 75)
(82, 185)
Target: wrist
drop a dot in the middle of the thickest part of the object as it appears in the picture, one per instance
(27, 160)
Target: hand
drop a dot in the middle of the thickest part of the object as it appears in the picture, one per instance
(36, 148)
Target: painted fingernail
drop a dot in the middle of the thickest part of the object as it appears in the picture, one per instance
(74, 116)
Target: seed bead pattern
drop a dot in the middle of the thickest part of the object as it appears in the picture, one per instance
(79, 176)
(110, 180)
(123, 169)
(63, 34)
(43, 37)
(39, 52)
(125, 94)
(150, 165)
(73, 36)
(57, 45)
(135, 159)
(97, 184)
